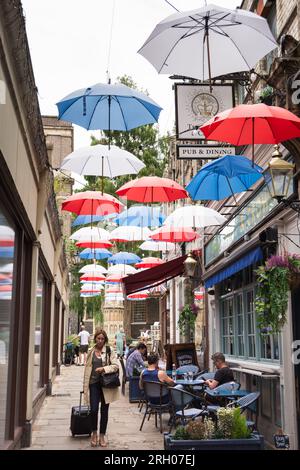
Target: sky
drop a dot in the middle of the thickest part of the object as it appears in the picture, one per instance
(74, 42)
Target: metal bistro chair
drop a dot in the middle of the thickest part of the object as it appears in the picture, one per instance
(157, 401)
(180, 400)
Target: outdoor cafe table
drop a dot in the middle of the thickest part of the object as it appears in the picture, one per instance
(229, 394)
(190, 383)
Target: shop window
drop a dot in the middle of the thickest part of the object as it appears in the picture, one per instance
(139, 312)
(40, 300)
(7, 274)
(251, 326)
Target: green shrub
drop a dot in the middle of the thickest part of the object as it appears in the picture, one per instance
(240, 429)
(181, 434)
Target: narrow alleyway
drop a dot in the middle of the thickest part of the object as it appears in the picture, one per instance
(51, 428)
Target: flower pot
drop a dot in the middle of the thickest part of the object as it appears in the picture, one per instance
(255, 442)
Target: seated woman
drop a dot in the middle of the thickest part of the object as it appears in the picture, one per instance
(153, 374)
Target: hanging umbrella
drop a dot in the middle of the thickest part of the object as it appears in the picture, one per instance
(152, 189)
(92, 276)
(121, 269)
(97, 253)
(92, 202)
(149, 262)
(100, 160)
(253, 124)
(142, 295)
(113, 278)
(193, 216)
(124, 257)
(151, 245)
(129, 234)
(7, 236)
(90, 268)
(93, 245)
(90, 219)
(86, 233)
(7, 268)
(143, 216)
(6, 252)
(224, 177)
(208, 42)
(108, 107)
(174, 234)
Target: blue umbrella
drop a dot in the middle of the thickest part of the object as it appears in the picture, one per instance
(6, 251)
(124, 257)
(97, 253)
(89, 219)
(108, 107)
(224, 177)
(142, 216)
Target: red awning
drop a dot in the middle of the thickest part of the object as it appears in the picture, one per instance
(154, 276)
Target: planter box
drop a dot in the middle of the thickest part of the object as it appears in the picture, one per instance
(135, 394)
(256, 442)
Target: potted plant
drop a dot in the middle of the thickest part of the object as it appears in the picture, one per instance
(228, 432)
(266, 95)
(275, 278)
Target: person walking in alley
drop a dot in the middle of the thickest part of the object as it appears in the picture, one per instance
(84, 344)
(120, 342)
(101, 359)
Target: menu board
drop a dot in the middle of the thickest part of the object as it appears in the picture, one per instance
(180, 354)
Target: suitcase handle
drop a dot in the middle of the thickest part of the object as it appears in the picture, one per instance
(80, 401)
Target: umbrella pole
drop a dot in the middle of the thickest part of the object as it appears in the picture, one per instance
(232, 191)
(208, 53)
(102, 170)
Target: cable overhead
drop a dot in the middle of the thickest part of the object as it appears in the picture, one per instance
(110, 42)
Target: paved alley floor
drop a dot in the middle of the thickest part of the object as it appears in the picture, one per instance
(51, 428)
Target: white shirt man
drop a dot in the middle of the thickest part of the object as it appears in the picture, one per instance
(84, 344)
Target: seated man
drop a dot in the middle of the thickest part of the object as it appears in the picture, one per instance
(135, 359)
(224, 373)
(153, 374)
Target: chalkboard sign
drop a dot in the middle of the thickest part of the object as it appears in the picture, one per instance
(180, 354)
(281, 441)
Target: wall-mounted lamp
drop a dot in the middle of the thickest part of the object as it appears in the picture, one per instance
(190, 265)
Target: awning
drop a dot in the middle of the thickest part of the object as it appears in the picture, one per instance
(154, 276)
(250, 258)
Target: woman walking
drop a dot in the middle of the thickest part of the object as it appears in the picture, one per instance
(120, 342)
(100, 360)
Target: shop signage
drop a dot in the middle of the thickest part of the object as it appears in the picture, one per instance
(281, 441)
(195, 105)
(205, 152)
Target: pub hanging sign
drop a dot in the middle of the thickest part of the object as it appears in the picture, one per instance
(205, 152)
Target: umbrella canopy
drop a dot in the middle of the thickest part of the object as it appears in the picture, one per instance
(121, 269)
(6, 251)
(144, 294)
(149, 262)
(97, 253)
(90, 219)
(113, 278)
(107, 106)
(151, 245)
(90, 233)
(224, 177)
(92, 202)
(103, 161)
(7, 268)
(124, 257)
(93, 268)
(193, 216)
(129, 234)
(189, 43)
(174, 234)
(143, 216)
(253, 124)
(92, 276)
(93, 244)
(152, 189)
(7, 236)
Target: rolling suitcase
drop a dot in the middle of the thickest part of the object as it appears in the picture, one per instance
(81, 420)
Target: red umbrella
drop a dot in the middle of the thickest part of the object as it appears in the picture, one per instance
(138, 295)
(93, 245)
(96, 277)
(252, 124)
(174, 234)
(149, 262)
(152, 189)
(114, 278)
(92, 203)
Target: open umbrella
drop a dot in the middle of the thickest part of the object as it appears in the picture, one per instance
(93, 276)
(143, 216)
(90, 268)
(96, 253)
(90, 233)
(92, 202)
(208, 42)
(224, 177)
(142, 295)
(174, 234)
(149, 262)
(152, 189)
(103, 161)
(253, 124)
(193, 216)
(129, 234)
(121, 269)
(124, 257)
(151, 245)
(90, 219)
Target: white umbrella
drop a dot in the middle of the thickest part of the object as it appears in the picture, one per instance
(90, 234)
(123, 269)
(91, 286)
(93, 268)
(208, 42)
(130, 233)
(151, 245)
(7, 268)
(100, 160)
(194, 216)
